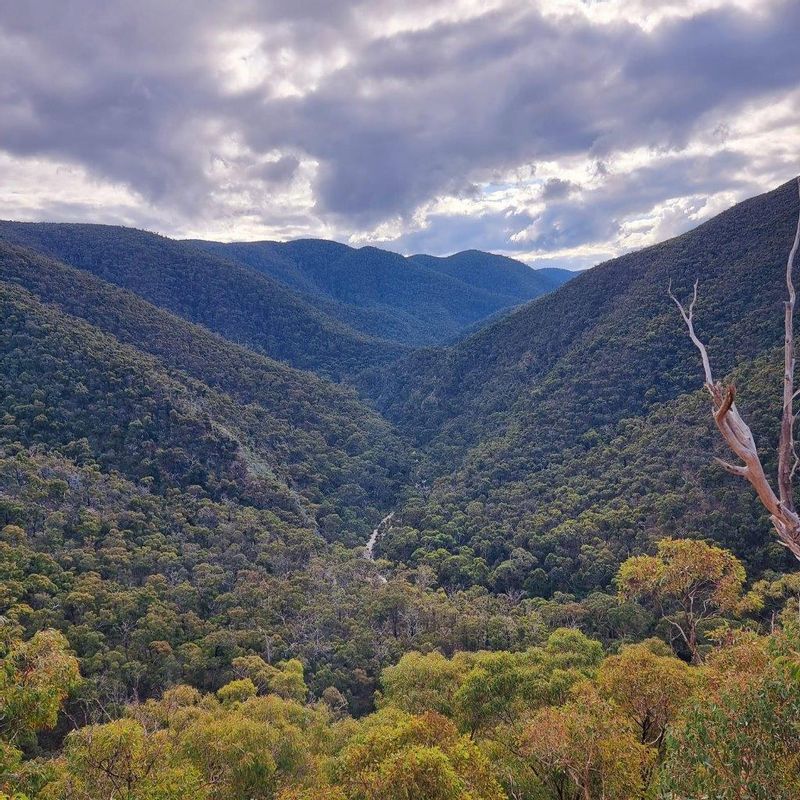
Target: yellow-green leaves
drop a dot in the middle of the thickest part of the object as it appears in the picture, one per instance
(586, 748)
(123, 760)
(284, 679)
(398, 756)
(689, 582)
(35, 678)
(649, 689)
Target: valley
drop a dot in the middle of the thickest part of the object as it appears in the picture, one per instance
(398, 400)
(217, 473)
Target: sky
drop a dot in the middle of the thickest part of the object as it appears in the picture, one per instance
(560, 132)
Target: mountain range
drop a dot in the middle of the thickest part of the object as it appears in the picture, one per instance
(198, 438)
(419, 300)
(281, 299)
(574, 432)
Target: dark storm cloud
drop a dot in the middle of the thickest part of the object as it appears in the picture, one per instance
(138, 94)
(281, 170)
(115, 94)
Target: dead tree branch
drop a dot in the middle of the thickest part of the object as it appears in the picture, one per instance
(737, 433)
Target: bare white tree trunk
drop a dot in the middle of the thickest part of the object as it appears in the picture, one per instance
(737, 433)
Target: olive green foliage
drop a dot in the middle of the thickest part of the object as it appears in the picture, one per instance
(183, 519)
(739, 735)
(575, 432)
(586, 748)
(480, 689)
(162, 400)
(36, 677)
(240, 304)
(174, 502)
(397, 755)
(649, 686)
(151, 590)
(284, 679)
(122, 759)
(419, 300)
(691, 583)
(557, 722)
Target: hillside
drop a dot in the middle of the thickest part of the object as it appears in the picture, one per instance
(546, 443)
(498, 275)
(243, 305)
(537, 468)
(176, 509)
(309, 434)
(180, 494)
(551, 435)
(171, 502)
(309, 519)
(420, 300)
(158, 467)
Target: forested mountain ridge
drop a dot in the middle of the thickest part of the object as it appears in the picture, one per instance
(182, 523)
(419, 300)
(180, 495)
(499, 364)
(496, 274)
(167, 479)
(534, 423)
(241, 304)
(526, 428)
(311, 430)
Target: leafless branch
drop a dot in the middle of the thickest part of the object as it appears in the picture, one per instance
(732, 468)
(737, 433)
(688, 318)
(787, 457)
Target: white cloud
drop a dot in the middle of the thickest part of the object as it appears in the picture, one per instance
(561, 132)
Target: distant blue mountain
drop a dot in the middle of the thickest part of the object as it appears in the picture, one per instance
(416, 300)
(314, 304)
(243, 305)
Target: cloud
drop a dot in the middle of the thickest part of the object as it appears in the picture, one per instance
(558, 189)
(282, 169)
(556, 131)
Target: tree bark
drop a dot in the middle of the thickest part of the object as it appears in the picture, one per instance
(737, 433)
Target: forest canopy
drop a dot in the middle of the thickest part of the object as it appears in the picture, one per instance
(506, 569)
